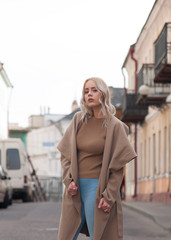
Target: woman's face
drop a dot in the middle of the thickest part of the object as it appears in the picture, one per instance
(92, 95)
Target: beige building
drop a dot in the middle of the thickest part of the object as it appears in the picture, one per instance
(147, 106)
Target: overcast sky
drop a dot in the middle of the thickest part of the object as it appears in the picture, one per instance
(49, 47)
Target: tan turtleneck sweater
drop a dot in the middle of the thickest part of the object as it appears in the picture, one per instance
(90, 145)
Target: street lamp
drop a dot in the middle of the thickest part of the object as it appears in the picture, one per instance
(150, 99)
(144, 90)
(168, 99)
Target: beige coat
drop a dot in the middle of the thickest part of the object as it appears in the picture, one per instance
(117, 152)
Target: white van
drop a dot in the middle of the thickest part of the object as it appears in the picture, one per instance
(14, 161)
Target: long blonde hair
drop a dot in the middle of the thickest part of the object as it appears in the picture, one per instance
(107, 109)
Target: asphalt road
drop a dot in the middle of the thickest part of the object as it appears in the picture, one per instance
(138, 227)
(39, 221)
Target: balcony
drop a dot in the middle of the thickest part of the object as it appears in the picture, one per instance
(130, 111)
(162, 48)
(157, 91)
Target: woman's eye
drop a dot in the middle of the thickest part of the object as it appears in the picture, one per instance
(93, 90)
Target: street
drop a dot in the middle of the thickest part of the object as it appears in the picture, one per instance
(39, 221)
(138, 227)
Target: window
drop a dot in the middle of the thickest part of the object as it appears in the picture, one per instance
(154, 154)
(12, 159)
(141, 162)
(165, 148)
(159, 152)
(149, 157)
(145, 158)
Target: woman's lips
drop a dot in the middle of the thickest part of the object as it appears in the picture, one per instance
(90, 100)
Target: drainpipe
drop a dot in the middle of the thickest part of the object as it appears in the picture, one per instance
(124, 89)
(136, 65)
(135, 130)
(8, 107)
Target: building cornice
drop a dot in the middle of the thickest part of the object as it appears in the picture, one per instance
(150, 20)
(4, 76)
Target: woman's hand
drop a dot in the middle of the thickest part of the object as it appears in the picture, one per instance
(104, 205)
(72, 189)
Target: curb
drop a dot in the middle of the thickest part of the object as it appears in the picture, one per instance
(146, 214)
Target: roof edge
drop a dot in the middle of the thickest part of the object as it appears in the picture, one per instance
(4, 76)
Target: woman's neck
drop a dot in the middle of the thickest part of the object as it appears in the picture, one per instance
(97, 113)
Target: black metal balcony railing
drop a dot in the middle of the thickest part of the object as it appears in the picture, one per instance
(130, 111)
(146, 76)
(162, 48)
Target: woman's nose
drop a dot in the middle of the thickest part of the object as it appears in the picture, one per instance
(89, 92)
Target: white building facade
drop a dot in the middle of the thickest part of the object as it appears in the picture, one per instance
(41, 146)
(5, 88)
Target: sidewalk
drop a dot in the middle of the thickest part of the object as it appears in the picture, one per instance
(159, 212)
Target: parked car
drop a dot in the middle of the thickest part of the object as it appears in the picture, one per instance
(15, 163)
(5, 189)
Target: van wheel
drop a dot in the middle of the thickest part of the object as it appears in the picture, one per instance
(25, 198)
(6, 201)
(10, 202)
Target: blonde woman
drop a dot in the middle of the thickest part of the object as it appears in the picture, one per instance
(94, 150)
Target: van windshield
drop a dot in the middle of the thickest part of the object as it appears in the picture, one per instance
(13, 159)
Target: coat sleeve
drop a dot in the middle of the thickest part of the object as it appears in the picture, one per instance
(121, 153)
(65, 149)
(112, 190)
(67, 177)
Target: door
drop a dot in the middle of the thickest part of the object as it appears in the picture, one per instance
(154, 163)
